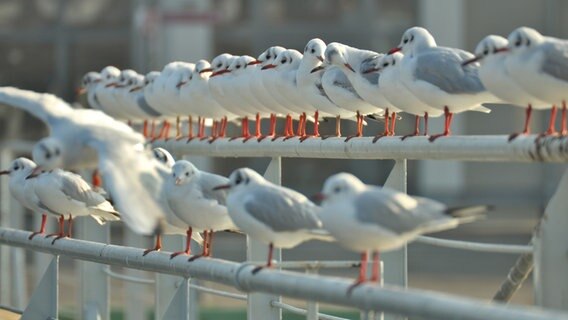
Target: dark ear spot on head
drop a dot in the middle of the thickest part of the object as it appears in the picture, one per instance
(247, 180)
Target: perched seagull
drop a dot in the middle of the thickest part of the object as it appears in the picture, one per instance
(539, 64)
(89, 84)
(363, 217)
(136, 101)
(22, 189)
(340, 90)
(190, 196)
(151, 97)
(391, 86)
(80, 137)
(104, 89)
(309, 85)
(269, 213)
(123, 108)
(196, 88)
(283, 84)
(171, 224)
(436, 75)
(492, 52)
(67, 195)
(352, 62)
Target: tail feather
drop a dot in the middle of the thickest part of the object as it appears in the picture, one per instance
(467, 214)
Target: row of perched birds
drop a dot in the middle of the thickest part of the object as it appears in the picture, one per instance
(335, 80)
(360, 217)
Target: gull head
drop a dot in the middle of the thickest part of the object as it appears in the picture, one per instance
(20, 168)
(340, 186)
(48, 154)
(414, 40)
(390, 61)
(335, 54)
(240, 179)
(88, 81)
(240, 64)
(164, 156)
(491, 47)
(287, 60)
(183, 172)
(220, 64)
(269, 55)
(125, 78)
(315, 50)
(185, 75)
(202, 68)
(109, 74)
(371, 64)
(523, 38)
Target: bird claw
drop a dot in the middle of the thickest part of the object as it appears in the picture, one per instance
(353, 286)
(57, 238)
(150, 250)
(351, 137)
(195, 257)
(257, 269)
(34, 234)
(175, 254)
(436, 136)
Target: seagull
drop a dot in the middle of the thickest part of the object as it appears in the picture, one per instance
(80, 137)
(136, 101)
(351, 61)
(104, 89)
(492, 52)
(151, 97)
(392, 88)
(22, 189)
(309, 84)
(369, 218)
(89, 83)
(196, 88)
(341, 92)
(67, 194)
(190, 195)
(539, 64)
(269, 213)
(436, 75)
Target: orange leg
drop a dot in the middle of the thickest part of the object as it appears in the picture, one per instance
(205, 250)
(527, 127)
(359, 128)
(61, 233)
(563, 130)
(447, 124)
(551, 123)
(41, 228)
(268, 263)
(362, 273)
(157, 247)
(416, 129)
(386, 131)
(376, 272)
(145, 129)
(187, 250)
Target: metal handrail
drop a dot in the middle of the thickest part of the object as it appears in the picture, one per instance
(333, 290)
(476, 246)
(303, 312)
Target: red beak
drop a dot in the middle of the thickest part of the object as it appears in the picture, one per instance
(135, 89)
(470, 61)
(318, 68)
(393, 50)
(268, 66)
(206, 70)
(80, 90)
(220, 72)
(111, 85)
(371, 70)
(35, 173)
(504, 49)
(254, 62)
(4, 172)
(348, 66)
(221, 187)
(320, 58)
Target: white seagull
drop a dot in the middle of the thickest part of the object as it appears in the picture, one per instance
(352, 62)
(436, 75)
(364, 217)
(22, 189)
(272, 214)
(67, 195)
(540, 65)
(190, 195)
(491, 52)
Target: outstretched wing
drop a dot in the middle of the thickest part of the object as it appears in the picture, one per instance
(44, 106)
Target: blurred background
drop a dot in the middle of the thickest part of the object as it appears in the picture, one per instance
(48, 45)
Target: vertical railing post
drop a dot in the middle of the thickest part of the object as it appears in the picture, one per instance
(313, 306)
(259, 304)
(550, 251)
(165, 283)
(5, 265)
(44, 302)
(135, 292)
(95, 284)
(395, 261)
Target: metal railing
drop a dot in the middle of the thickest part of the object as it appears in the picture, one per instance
(266, 288)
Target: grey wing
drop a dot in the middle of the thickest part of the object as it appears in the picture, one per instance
(74, 187)
(555, 61)
(210, 181)
(341, 80)
(280, 211)
(144, 106)
(385, 208)
(44, 106)
(443, 69)
(367, 64)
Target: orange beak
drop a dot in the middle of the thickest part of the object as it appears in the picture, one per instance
(393, 50)
(220, 72)
(254, 62)
(348, 66)
(268, 66)
(222, 187)
(206, 70)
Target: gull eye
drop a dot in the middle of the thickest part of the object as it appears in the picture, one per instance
(283, 61)
(173, 175)
(239, 179)
(56, 152)
(528, 42)
(268, 56)
(187, 174)
(486, 51)
(48, 155)
(405, 40)
(411, 38)
(313, 51)
(393, 62)
(336, 189)
(238, 66)
(518, 42)
(385, 64)
(16, 167)
(219, 65)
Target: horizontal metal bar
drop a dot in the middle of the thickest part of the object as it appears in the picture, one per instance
(220, 293)
(390, 299)
(10, 309)
(313, 264)
(300, 311)
(116, 275)
(17, 145)
(463, 148)
(476, 246)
